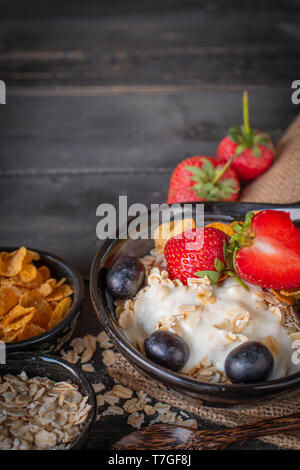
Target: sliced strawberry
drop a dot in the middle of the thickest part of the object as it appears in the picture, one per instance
(271, 254)
(196, 252)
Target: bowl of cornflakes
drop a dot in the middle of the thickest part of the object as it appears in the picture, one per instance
(40, 300)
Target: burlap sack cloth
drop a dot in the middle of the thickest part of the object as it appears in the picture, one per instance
(279, 184)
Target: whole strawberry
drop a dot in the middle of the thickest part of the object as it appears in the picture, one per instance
(202, 178)
(266, 250)
(197, 252)
(251, 152)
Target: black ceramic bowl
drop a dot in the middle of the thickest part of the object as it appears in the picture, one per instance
(199, 392)
(56, 369)
(53, 340)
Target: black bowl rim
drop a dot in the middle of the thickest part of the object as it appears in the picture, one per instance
(35, 359)
(78, 297)
(163, 374)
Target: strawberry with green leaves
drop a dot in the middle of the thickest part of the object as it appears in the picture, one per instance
(198, 252)
(251, 152)
(265, 250)
(202, 178)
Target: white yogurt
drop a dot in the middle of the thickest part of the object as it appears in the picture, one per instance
(160, 303)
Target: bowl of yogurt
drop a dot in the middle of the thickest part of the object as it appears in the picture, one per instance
(192, 337)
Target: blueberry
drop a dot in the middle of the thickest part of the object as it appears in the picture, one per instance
(167, 349)
(250, 362)
(125, 277)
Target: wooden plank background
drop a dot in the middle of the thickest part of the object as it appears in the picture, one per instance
(105, 98)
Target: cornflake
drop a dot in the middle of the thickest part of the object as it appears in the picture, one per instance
(31, 302)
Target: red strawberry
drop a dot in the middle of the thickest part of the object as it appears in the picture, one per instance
(267, 250)
(203, 179)
(252, 152)
(187, 256)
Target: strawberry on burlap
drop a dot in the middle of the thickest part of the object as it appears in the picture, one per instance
(281, 183)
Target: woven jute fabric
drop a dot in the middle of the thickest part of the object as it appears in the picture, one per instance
(280, 184)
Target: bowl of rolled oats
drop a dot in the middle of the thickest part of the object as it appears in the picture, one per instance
(45, 404)
(207, 334)
(41, 296)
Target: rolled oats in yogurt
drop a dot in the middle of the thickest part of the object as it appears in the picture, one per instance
(210, 324)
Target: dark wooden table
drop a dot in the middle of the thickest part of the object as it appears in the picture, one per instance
(105, 98)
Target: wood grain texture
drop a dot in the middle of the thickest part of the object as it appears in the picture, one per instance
(58, 213)
(83, 133)
(171, 437)
(142, 43)
(104, 98)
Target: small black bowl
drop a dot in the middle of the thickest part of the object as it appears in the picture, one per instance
(192, 390)
(53, 339)
(43, 365)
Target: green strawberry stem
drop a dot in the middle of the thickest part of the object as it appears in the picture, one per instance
(247, 131)
(220, 173)
(247, 138)
(232, 274)
(246, 113)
